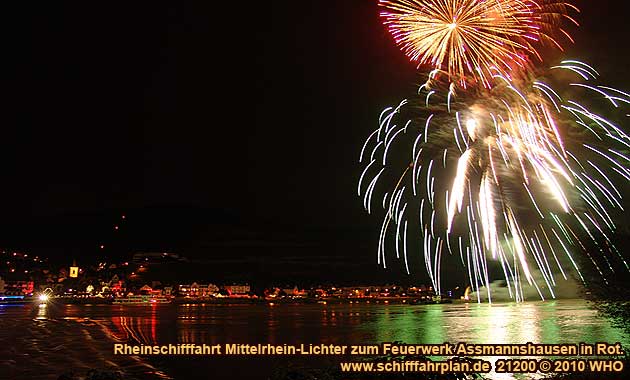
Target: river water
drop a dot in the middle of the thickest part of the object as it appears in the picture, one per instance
(44, 342)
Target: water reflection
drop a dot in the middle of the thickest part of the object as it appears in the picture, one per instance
(537, 322)
(551, 322)
(42, 312)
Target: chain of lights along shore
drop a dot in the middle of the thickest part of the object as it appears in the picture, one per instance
(496, 159)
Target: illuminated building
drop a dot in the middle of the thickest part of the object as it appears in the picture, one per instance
(238, 290)
(196, 290)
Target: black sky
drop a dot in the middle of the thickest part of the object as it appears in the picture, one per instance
(242, 117)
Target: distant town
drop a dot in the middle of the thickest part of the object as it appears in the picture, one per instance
(24, 277)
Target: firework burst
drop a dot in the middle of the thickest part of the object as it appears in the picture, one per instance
(469, 40)
(499, 180)
(516, 174)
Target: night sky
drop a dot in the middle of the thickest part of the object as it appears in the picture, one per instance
(229, 133)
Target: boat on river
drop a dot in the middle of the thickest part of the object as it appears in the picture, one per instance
(14, 300)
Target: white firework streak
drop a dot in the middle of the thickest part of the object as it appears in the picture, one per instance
(514, 187)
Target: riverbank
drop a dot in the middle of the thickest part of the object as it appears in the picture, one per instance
(37, 345)
(261, 301)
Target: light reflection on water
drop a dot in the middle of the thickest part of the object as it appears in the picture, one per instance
(565, 321)
(41, 312)
(551, 322)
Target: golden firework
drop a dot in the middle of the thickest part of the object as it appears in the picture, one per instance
(471, 40)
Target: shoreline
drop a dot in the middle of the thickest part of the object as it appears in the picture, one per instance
(307, 301)
(261, 301)
(61, 347)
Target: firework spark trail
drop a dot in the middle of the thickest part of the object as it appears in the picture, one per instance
(514, 189)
